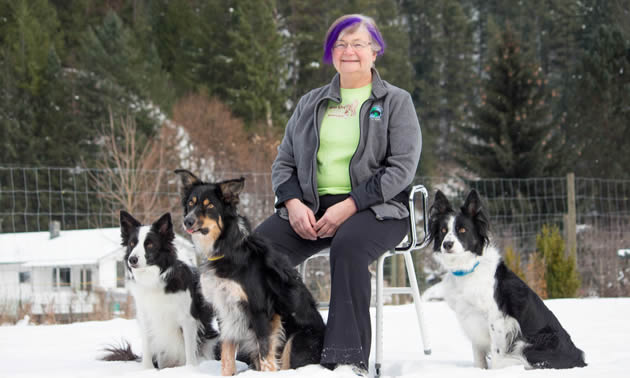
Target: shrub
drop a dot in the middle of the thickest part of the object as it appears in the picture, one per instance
(561, 274)
(513, 261)
(535, 274)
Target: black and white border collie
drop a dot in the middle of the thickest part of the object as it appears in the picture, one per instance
(263, 308)
(504, 319)
(175, 321)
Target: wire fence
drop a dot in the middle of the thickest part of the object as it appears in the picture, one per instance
(79, 198)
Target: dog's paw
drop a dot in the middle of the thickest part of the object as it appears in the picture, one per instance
(268, 365)
(228, 371)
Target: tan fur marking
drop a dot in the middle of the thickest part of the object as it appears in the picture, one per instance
(194, 199)
(285, 359)
(206, 202)
(214, 227)
(232, 289)
(276, 339)
(228, 358)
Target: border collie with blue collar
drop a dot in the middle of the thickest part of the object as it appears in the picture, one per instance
(263, 308)
(504, 319)
(175, 321)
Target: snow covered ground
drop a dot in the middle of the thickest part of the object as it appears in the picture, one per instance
(600, 327)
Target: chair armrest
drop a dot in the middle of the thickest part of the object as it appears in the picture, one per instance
(413, 242)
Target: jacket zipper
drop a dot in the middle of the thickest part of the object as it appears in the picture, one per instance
(361, 116)
(314, 166)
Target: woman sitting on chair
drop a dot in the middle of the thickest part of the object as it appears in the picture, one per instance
(349, 153)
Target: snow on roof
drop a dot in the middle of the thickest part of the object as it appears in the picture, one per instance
(76, 247)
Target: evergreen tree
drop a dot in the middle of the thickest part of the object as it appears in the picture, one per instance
(121, 74)
(175, 29)
(511, 134)
(36, 121)
(599, 125)
(441, 53)
(561, 274)
(74, 18)
(253, 89)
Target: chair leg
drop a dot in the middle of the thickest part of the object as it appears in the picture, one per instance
(379, 315)
(417, 300)
(302, 270)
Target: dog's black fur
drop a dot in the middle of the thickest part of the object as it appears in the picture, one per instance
(478, 275)
(242, 262)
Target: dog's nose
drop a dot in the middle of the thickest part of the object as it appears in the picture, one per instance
(133, 260)
(189, 222)
(447, 245)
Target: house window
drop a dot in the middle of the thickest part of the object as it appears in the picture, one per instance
(61, 277)
(120, 274)
(86, 279)
(25, 277)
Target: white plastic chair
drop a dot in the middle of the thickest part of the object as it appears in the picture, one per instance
(405, 250)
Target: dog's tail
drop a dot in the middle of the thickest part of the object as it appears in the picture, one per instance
(121, 352)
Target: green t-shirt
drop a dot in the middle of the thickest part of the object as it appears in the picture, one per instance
(338, 140)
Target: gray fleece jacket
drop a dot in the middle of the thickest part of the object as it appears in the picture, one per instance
(382, 167)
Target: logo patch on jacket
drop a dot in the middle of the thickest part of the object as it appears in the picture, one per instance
(376, 112)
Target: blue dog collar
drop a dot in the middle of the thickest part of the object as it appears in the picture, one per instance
(460, 273)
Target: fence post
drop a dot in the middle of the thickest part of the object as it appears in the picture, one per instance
(571, 222)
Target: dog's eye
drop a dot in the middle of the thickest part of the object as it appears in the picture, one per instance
(132, 244)
(461, 230)
(191, 203)
(443, 230)
(149, 245)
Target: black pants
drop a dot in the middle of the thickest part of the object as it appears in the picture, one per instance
(359, 241)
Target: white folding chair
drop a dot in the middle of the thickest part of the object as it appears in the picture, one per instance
(405, 250)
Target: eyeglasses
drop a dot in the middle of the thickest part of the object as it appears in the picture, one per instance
(356, 46)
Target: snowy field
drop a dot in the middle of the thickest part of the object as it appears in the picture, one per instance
(600, 327)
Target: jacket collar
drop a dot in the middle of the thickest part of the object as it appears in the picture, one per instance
(378, 87)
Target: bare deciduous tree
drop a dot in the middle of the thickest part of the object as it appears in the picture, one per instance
(131, 176)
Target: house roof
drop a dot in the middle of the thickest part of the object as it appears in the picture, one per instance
(76, 247)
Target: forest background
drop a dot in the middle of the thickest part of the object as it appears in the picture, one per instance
(502, 88)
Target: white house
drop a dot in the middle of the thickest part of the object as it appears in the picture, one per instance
(61, 273)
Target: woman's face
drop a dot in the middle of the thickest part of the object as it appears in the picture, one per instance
(353, 54)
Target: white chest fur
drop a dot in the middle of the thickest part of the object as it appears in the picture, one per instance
(230, 303)
(491, 332)
(163, 319)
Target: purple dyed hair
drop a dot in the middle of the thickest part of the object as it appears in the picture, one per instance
(345, 22)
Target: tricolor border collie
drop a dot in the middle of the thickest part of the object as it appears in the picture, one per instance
(263, 308)
(504, 319)
(174, 319)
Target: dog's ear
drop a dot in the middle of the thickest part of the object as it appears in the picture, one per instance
(127, 224)
(472, 205)
(474, 209)
(164, 227)
(440, 205)
(187, 178)
(230, 189)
